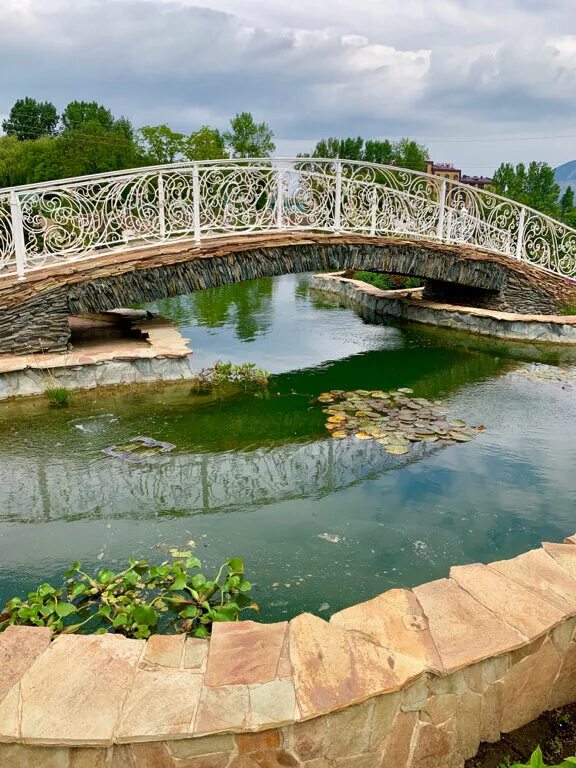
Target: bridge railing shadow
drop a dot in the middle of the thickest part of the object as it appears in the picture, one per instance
(73, 219)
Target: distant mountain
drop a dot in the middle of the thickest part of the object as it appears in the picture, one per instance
(565, 175)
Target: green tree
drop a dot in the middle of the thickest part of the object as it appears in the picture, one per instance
(27, 162)
(567, 207)
(205, 144)
(30, 119)
(246, 138)
(567, 202)
(409, 154)
(161, 144)
(329, 148)
(378, 151)
(534, 186)
(94, 149)
(405, 153)
(78, 114)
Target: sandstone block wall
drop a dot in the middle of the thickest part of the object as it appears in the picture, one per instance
(411, 679)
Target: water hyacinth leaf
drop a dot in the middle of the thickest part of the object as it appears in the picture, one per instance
(106, 576)
(236, 564)
(179, 583)
(65, 609)
(145, 615)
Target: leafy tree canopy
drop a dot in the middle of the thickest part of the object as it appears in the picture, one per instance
(405, 153)
(30, 119)
(246, 138)
(205, 144)
(161, 144)
(534, 186)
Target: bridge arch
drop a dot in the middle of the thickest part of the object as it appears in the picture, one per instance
(98, 242)
(34, 313)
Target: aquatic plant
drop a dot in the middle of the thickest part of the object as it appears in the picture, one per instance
(246, 374)
(138, 601)
(393, 419)
(57, 395)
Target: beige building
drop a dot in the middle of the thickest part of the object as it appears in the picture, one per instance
(447, 171)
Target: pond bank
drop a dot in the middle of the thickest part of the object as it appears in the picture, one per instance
(410, 679)
(111, 349)
(409, 305)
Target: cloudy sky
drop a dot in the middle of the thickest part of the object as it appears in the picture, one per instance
(477, 81)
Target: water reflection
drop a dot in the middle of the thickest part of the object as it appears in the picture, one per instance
(259, 478)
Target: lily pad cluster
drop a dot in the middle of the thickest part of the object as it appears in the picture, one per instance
(393, 419)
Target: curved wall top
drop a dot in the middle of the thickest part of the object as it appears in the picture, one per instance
(73, 219)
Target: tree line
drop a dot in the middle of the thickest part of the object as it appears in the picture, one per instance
(40, 144)
(534, 185)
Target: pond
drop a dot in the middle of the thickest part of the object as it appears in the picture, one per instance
(320, 523)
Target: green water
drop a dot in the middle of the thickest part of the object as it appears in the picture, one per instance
(259, 478)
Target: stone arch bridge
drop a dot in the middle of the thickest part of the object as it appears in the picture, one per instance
(79, 246)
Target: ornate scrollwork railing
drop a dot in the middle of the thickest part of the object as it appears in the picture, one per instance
(74, 219)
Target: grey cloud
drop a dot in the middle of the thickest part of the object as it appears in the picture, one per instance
(420, 67)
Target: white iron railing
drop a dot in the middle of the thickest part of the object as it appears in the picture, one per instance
(73, 219)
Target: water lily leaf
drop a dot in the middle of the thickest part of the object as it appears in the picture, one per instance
(457, 423)
(396, 450)
(461, 437)
(405, 390)
(362, 436)
(429, 438)
(339, 434)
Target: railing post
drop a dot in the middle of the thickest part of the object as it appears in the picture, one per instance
(279, 201)
(520, 238)
(196, 202)
(448, 235)
(18, 234)
(374, 212)
(442, 210)
(338, 196)
(161, 208)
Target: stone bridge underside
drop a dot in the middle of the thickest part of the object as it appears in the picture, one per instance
(34, 313)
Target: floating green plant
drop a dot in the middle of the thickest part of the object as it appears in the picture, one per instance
(141, 600)
(393, 419)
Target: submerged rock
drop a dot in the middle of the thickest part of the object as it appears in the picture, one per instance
(138, 449)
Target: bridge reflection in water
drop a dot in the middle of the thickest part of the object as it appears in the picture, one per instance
(71, 488)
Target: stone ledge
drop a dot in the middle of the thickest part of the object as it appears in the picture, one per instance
(409, 305)
(435, 668)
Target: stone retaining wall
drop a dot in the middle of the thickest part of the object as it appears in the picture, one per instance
(34, 312)
(410, 679)
(411, 305)
(108, 373)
